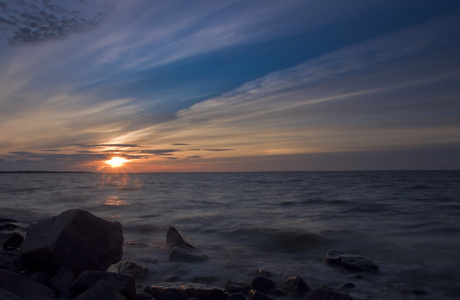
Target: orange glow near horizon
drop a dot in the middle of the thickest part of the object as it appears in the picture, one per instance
(116, 161)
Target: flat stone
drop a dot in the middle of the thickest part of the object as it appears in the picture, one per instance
(125, 284)
(326, 294)
(350, 262)
(11, 261)
(23, 286)
(76, 239)
(184, 290)
(187, 255)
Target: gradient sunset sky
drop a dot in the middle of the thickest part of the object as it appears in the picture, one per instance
(254, 85)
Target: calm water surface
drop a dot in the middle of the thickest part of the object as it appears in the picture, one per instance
(283, 222)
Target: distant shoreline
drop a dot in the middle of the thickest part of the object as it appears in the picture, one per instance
(45, 172)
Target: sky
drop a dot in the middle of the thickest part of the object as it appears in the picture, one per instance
(223, 86)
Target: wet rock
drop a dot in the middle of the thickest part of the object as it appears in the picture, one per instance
(236, 296)
(41, 277)
(295, 284)
(237, 287)
(265, 273)
(76, 239)
(350, 262)
(263, 284)
(101, 290)
(257, 295)
(10, 240)
(187, 255)
(347, 285)
(125, 284)
(175, 237)
(184, 290)
(11, 261)
(23, 286)
(133, 269)
(278, 292)
(63, 279)
(326, 294)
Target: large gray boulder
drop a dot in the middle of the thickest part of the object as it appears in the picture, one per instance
(76, 239)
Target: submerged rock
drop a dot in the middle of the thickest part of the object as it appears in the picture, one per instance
(326, 294)
(187, 255)
(350, 262)
(76, 239)
(184, 290)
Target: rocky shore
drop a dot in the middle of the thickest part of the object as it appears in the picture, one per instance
(67, 257)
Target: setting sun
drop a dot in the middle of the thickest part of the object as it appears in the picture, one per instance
(116, 161)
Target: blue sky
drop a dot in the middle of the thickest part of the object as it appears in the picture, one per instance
(230, 85)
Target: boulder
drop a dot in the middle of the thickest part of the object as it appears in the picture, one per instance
(263, 284)
(132, 269)
(295, 284)
(5, 295)
(23, 286)
(257, 295)
(125, 284)
(175, 237)
(11, 261)
(327, 294)
(63, 279)
(183, 290)
(10, 240)
(237, 287)
(187, 255)
(76, 239)
(236, 296)
(350, 262)
(101, 290)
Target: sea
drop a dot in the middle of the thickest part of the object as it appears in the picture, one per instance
(407, 222)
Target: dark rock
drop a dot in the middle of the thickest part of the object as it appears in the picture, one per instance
(125, 284)
(412, 291)
(236, 296)
(263, 284)
(5, 295)
(350, 262)
(347, 285)
(76, 239)
(133, 269)
(63, 279)
(172, 278)
(10, 240)
(204, 279)
(41, 277)
(187, 255)
(183, 290)
(358, 276)
(257, 295)
(295, 284)
(11, 261)
(278, 292)
(101, 290)
(265, 273)
(175, 237)
(325, 294)
(237, 287)
(23, 286)
(9, 226)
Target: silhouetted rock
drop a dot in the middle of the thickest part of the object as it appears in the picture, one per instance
(236, 296)
(258, 295)
(347, 285)
(236, 287)
(133, 269)
(76, 239)
(263, 284)
(326, 294)
(295, 284)
(5, 295)
(63, 279)
(258, 272)
(184, 290)
(175, 237)
(10, 240)
(350, 262)
(125, 284)
(103, 290)
(23, 286)
(11, 261)
(187, 255)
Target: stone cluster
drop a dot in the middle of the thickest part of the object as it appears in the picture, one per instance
(67, 257)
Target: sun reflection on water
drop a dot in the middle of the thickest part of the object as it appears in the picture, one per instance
(115, 201)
